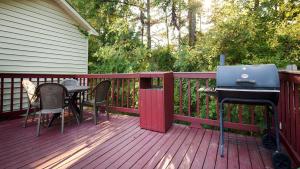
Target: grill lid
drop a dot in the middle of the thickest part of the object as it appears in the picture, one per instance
(253, 77)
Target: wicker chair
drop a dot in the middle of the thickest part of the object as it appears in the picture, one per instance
(33, 101)
(52, 98)
(100, 95)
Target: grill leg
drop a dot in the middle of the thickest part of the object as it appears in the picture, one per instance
(268, 120)
(276, 123)
(221, 130)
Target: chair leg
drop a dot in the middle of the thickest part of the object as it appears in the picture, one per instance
(62, 121)
(38, 125)
(26, 117)
(95, 114)
(107, 113)
(33, 117)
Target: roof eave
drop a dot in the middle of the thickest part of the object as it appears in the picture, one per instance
(75, 15)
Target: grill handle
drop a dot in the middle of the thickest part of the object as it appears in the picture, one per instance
(246, 81)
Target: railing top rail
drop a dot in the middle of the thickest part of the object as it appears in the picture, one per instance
(111, 75)
(195, 75)
(296, 72)
(23, 75)
(292, 76)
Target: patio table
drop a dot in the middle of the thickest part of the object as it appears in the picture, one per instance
(73, 92)
(72, 101)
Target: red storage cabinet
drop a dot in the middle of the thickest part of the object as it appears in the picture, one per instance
(156, 102)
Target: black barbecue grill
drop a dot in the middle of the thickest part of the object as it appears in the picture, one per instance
(252, 84)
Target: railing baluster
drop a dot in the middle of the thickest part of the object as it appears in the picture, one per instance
(240, 111)
(38, 81)
(288, 120)
(229, 110)
(180, 96)
(293, 116)
(128, 92)
(133, 94)
(112, 91)
(118, 91)
(12, 94)
(82, 81)
(252, 112)
(122, 99)
(297, 104)
(207, 100)
(2, 94)
(21, 94)
(189, 97)
(52, 80)
(197, 98)
(217, 108)
(283, 104)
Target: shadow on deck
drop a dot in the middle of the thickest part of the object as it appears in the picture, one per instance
(121, 143)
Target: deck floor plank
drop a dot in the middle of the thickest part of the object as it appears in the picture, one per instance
(244, 160)
(222, 162)
(135, 150)
(212, 151)
(233, 156)
(190, 155)
(27, 144)
(84, 147)
(176, 160)
(202, 150)
(121, 143)
(255, 156)
(137, 137)
(157, 149)
(144, 152)
(59, 145)
(265, 154)
(166, 159)
(102, 149)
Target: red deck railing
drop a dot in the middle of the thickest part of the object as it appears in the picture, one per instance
(289, 113)
(199, 108)
(192, 106)
(123, 95)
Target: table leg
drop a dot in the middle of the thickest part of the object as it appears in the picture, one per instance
(75, 109)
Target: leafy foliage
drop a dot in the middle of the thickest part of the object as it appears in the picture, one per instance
(247, 32)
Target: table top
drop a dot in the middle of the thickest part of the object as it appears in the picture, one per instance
(77, 88)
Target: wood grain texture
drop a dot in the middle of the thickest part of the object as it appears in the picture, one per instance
(121, 143)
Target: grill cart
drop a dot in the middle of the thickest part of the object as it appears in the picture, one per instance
(256, 85)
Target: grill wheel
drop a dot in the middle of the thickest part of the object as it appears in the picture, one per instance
(281, 160)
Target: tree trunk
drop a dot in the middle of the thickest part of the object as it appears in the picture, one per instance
(142, 20)
(148, 25)
(179, 24)
(200, 23)
(192, 23)
(256, 4)
(167, 28)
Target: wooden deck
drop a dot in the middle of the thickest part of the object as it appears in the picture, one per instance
(121, 143)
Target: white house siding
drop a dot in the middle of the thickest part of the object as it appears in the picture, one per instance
(37, 36)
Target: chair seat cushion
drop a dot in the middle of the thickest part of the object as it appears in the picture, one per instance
(47, 111)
